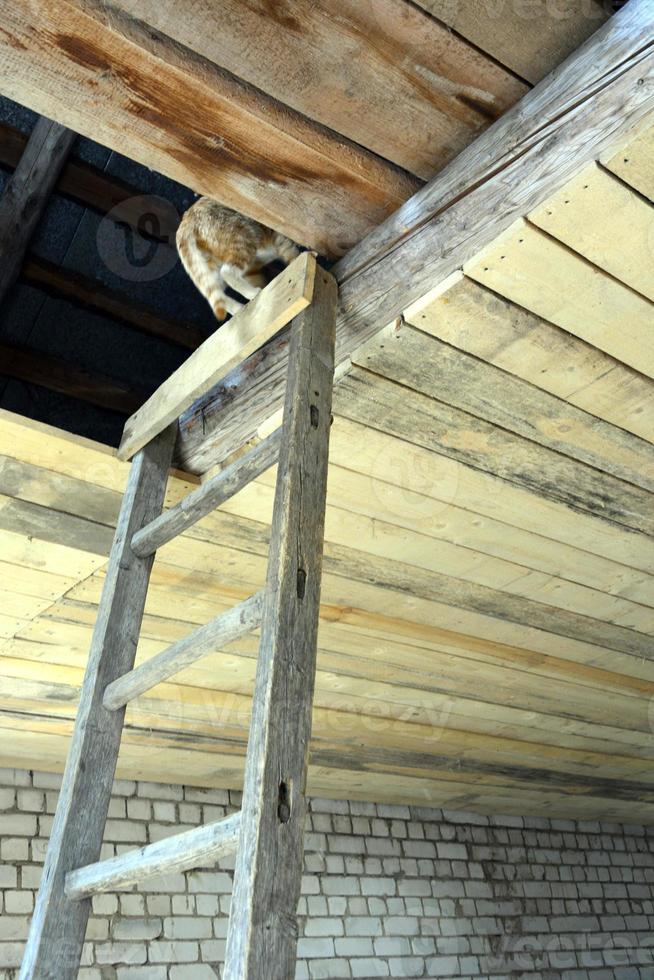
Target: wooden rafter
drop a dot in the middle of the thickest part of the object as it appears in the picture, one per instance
(94, 189)
(94, 295)
(27, 194)
(57, 374)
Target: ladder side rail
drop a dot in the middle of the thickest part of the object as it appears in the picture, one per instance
(217, 633)
(262, 937)
(216, 491)
(56, 936)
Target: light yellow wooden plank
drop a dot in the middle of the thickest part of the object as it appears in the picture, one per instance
(634, 162)
(535, 271)
(264, 316)
(478, 321)
(600, 218)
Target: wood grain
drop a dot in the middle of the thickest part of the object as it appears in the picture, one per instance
(382, 74)
(536, 272)
(214, 492)
(454, 378)
(219, 632)
(262, 935)
(531, 39)
(111, 77)
(474, 319)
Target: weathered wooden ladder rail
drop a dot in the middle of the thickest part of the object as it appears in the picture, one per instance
(268, 832)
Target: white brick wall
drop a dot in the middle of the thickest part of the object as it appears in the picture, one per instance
(387, 892)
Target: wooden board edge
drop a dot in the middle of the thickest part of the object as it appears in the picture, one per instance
(152, 418)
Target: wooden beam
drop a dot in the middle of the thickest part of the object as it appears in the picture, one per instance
(591, 103)
(264, 316)
(117, 80)
(94, 295)
(404, 87)
(223, 629)
(199, 847)
(54, 946)
(210, 495)
(27, 193)
(531, 39)
(55, 374)
(262, 933)
(94, 189)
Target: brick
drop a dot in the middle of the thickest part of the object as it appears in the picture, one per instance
(11, 955)
(13, 927)
(196, 971)
(315, 948)
(14, 849)
(141, 973)
(370, 968)
(114, 952)
(187, 928)
(162, 951)
(17, 825)
(145, 929)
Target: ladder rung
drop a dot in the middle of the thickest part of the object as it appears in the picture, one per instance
(217, 633)
(206, 498)
(192, 849)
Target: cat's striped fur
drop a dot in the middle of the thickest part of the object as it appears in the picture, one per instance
(220, 247)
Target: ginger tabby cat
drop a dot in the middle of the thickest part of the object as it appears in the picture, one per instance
(220, 247)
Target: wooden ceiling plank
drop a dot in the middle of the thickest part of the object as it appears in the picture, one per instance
(402, 411)
(634, 163)
(35, 485)
(344, 716)
(120, 82)
(480, 322)
(535, 271)
(531, 39)
(381, 74)
(367, 578)
(601, 219)
(424, 363)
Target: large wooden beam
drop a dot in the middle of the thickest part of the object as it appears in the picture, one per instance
(590, 104)
(122, 83)
(383, 74)
(27, 194)
(54, 946)
(262, 933)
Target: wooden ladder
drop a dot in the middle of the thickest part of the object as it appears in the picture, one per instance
(267, 833)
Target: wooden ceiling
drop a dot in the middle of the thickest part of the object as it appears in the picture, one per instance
(318, 117)
(488, 599)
